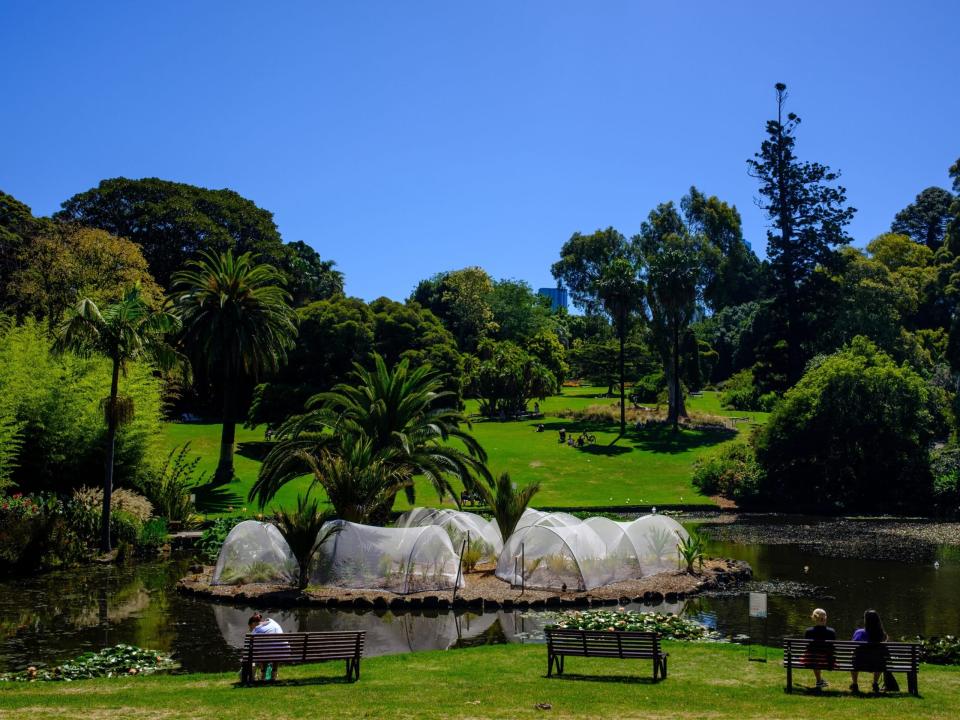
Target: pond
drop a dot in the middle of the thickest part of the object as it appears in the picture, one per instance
(54, 617)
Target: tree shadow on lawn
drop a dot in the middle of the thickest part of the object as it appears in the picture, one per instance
(663, 439)
(255, 449)
(216, 498)
(298, 682)
(626, 679)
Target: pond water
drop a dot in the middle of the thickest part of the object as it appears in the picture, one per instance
(51, 618)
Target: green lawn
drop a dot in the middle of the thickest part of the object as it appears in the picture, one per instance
(502, 681)
(646, 467)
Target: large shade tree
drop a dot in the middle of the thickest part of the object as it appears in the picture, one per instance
(599, 272)
(237, 324)
(925, 220)
(124, 331)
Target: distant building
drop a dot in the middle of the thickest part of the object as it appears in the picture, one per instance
(558, 297)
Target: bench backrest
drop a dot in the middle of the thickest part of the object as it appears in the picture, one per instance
(303, 646)
(851, 655)
(603, 643)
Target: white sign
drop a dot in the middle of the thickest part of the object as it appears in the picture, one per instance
(758, 605)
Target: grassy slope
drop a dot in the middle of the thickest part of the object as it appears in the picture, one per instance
(705, 681)
(645, 467)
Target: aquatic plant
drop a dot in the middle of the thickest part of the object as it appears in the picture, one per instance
(666, 625)
(116, 661)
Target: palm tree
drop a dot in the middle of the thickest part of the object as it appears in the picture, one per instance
(507, 502)
(304, 532)
(124, 331)
(238, 323)
(400, 417)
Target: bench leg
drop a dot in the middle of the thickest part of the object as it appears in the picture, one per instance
(789, 679)
(912, 684)
(246, 673)
(656, 668)
(549, 664)
(663, 668)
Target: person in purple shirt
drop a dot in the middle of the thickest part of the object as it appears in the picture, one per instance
(872, 656)
(818, 652)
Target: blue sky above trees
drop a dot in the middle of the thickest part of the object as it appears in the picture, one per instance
(403, 139)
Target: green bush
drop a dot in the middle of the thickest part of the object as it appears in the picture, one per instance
(649, 387)
(55, 403)
(125, 527)
(731, 471)
(211, 540)
(169, 487)
(740, 393)
(852, 435)
(36, 533)
(153, 536)
(945, 467)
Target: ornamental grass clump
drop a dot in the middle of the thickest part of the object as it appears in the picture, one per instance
(666, 625)
(117, 661)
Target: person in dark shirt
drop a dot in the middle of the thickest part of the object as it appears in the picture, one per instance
(819, 653)
(873, 655)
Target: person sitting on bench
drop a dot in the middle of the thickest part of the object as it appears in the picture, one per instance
(870, 657)
(819, 633)
(259, 625)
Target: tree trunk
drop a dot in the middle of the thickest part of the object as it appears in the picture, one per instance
(623, 406)
(111, 449)
(676, 408)
(224, 472)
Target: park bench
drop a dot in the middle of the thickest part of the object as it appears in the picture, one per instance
(624, 645)
(803, 654)
(300, 648)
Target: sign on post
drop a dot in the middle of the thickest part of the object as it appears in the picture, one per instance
(758, 605)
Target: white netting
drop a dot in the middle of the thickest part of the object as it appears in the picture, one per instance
(400, 560)
(484, 536)
(621, 560)
(541, 556)
(254, 552)
(538, 517)
(655, 538)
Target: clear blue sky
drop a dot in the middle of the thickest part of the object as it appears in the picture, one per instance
(405, 138)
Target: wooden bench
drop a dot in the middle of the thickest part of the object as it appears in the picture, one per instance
(302, 647)
(607, 644)
(803, 654)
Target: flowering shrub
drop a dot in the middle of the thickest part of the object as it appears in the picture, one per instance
(666, 625)
(36, 531)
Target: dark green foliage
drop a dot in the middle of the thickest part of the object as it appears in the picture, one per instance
(462, 301)
(732, 471)
(152, 537)
(518, 312)
(237, 325)
(17, 225)
(213, 536)
(39, 533)
(310, 278)
(740, 393)
(304, 533)
(117, 661)
(650, 387)
(505, 378)
(169, 487)
(808, 212)
(735, 274)
(506, 501)
(925, 219)
(939, 650)
(174, 222)
(852, 435)
(945, 467)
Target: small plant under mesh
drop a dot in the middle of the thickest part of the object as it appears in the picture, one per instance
(398, 560)
(255, 552)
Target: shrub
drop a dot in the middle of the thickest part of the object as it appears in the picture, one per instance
(740, 393)
(121, 499)
(153, 536)
(211, 540)
(851, 435)
(731, 471)
(941, 650)
(170, 486)
(56, 405)
(125, 528)
(36, 534)
(649, 387)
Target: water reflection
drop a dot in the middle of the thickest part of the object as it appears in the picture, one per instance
(55, 617)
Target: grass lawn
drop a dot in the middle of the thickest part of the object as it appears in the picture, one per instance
(647, 467)
(502, 681)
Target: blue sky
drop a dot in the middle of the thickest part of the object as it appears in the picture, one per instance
(405, 138)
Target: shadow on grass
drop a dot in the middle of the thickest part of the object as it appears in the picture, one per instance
(844, 692)
(216, 498)
(300, 682)
(663, 439)
(607, 450)
(255, 449)
(624, 679)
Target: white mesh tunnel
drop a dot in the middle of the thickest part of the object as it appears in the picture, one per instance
(621, 559)
(400, 560)
(484, 536)
(655, 538)
(546, 557)
(254, 552)
(538, 517)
